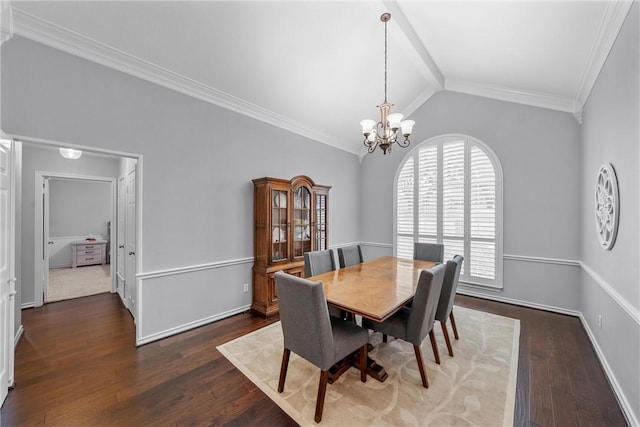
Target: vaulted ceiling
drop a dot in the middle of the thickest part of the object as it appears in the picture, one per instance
(317, 67)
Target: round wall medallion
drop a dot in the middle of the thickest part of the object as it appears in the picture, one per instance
(607, 206)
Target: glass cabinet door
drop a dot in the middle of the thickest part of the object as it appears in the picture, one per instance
(279, 249)
(301, 221)
(321, 222)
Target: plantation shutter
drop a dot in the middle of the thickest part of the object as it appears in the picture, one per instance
(482, 216)
(405, 211)
(447, 192)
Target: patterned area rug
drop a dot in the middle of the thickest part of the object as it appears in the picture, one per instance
(67, 283)
(474, 388)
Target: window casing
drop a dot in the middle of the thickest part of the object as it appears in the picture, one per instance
(449, 190)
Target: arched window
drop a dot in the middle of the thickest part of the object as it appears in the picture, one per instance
(449, 190)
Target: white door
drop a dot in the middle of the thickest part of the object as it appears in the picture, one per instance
(7, 281)
(121, 240)
(130, 242)
(45, 239)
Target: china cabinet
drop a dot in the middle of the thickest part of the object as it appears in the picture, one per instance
(290, 218)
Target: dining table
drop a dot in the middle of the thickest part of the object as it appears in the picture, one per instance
(374, 289)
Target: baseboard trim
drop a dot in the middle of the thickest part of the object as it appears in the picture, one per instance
(27, 305)
(613, 382)
(191, 325)
(521, 303)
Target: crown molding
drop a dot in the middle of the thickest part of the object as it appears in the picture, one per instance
(535, 99)
(610, 26)
(57, 37)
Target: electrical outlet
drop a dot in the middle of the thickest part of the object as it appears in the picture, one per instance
(600, 320)
(245, 287)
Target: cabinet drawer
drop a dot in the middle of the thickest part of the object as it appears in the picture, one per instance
(91, 246)
(89, 259)
(91, 252)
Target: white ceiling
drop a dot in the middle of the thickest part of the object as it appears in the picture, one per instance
(317, 67)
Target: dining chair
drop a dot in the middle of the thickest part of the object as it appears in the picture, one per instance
(413, 324)
(318, 262)
(312, 334)
(428, 251)
(349, 255)
(445, 305)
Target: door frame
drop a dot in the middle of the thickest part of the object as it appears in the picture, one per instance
(139, 205)
(41, 249)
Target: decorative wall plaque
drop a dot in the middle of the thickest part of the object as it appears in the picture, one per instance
(607, 206)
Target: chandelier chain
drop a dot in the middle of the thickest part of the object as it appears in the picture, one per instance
(385, 61)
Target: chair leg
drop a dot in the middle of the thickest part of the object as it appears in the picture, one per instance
(384, 337)
(423, 373)
(363, 363)
(445, 332)
(283, 369)
(434, 346)
(453, 325)
(322, 389)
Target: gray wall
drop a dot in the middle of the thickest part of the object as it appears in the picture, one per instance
(198, 162)
(610, 285)
(78, 208)
(539, 151)
(36, 158)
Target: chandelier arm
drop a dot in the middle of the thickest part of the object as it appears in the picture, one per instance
(373, 146)
(405, 143)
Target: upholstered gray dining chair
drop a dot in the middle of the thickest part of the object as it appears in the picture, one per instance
(445, 305)
(312, 334)
(413, 324)
(318, 262)
(428, 251)
(349, 255)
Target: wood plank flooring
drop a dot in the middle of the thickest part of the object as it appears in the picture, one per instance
(77, 364)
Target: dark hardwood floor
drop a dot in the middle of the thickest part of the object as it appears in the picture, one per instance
(77, 364)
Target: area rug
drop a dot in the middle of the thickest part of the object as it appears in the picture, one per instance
(67, 283)
(474, 388)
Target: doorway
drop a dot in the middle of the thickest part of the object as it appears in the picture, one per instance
(77, 220)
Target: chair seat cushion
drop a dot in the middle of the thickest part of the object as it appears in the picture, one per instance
(395, 326)
(347, 336)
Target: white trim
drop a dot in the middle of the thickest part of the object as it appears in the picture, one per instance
(17, 336)
(378, 245)
(627, 410)
(191, 325)
(428, 68)
(513, 301)
(542, 260)
(610, 25)
(344, 245)
(193, 268)
(27, 305)
(628, 308)
(50, 34)
(532, 98)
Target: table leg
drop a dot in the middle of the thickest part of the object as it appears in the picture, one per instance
(374, 370)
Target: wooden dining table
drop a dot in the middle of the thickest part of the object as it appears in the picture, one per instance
(374, 289)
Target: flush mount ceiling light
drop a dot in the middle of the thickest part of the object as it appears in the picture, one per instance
(70, 153)
(385, 132)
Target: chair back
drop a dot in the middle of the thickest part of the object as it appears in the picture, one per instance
(349, 255)
(428, 251)
(425, 303)
(449, 286)
(304, 317)
(318, 262)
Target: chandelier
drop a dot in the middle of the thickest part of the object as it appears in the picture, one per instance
(385, 133)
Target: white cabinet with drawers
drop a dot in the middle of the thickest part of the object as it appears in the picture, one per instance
(89, 253)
